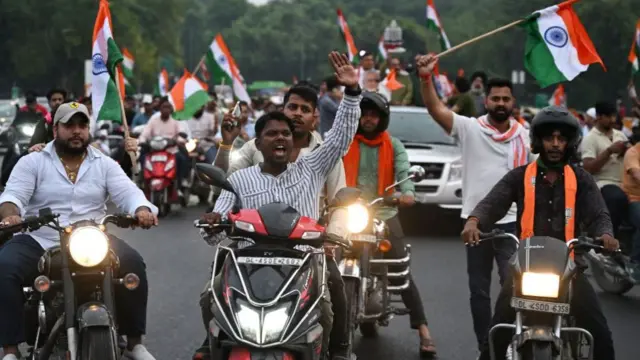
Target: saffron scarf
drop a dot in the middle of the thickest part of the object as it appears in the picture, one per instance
(519, 154)
(386, 173)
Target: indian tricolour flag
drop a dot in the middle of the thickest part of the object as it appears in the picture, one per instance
(634, 54)
(127, 69)
(106, 57)
(187, 96)
(558, 47)
(352, 51)
(559, 97)
(162, 88)
(434, 23)
(222, 67)
(382, 52)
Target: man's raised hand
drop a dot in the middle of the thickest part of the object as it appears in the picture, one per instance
(345, 73)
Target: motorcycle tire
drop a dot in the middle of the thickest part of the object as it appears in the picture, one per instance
(537, 351)
(352, 289)
(605, 283)
(98, 344)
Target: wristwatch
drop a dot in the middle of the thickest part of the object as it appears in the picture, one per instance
(353, 91)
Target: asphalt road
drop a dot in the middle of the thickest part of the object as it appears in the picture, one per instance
(178, 262)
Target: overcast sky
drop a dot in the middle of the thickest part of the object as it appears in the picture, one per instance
(258, 2)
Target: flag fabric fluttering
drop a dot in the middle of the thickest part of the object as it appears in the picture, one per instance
(106, 58)
(127, 69)
(634, 54)
(434, 23)
(559, 97)
(390, 81)
(162, 88)
(187, 96)
(558, 47)
(222, 68)
(352, 51)
(382, 52)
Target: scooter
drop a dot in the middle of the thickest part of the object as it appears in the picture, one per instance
(160, 184)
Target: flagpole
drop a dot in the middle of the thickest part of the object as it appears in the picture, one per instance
(197, 69)
(134, 158)
(477, 38)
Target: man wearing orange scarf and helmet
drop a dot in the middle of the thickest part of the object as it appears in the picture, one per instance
(374, 161)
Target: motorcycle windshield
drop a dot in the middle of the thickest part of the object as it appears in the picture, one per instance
(279, 219)
(543, 254)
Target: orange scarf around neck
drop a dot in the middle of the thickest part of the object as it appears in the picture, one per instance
(386, 164)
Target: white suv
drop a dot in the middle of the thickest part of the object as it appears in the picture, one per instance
(430, 147)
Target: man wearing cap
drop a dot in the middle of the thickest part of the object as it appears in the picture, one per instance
(79, 180)
(143, 117)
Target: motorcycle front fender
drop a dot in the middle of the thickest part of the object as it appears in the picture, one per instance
(349, 267)
(541, 335)
(93, 314)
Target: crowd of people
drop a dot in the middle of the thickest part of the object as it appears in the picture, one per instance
(327, 137)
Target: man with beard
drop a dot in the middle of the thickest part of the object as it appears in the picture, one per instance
(79, 180)
(558, 188)
(491, 146)
(375, 161)
(603, 156)
(300, 105)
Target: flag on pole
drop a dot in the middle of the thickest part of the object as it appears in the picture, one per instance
(434, 23)
(382, 52)
(634, 54)
(558, 98)
(558, 47)
(352, 51)
(221, 65)
(127, 69)
(390, 81)
(106, 57)
(187, 96)
(162, 88)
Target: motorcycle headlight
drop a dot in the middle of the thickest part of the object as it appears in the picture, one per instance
(540, 285)
(274, 322)
(88, 246)
(158, 144)
(191, 145)
(357, 218)
(248, 321)
(27, 130)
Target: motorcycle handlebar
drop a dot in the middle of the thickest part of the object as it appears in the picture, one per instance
(120, 220)
(583, 242)
(29, 223)
(202, 224)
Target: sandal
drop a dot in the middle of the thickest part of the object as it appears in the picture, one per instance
(427, 348)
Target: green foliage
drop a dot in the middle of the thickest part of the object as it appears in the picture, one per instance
(48, 41)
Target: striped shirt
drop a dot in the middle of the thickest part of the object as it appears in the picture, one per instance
(301, 183)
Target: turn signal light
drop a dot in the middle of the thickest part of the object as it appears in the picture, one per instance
(42, 284)
(384, 246)
(131, 281)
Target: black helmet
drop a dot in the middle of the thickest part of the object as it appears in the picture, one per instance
(555, 116)
(377, 101)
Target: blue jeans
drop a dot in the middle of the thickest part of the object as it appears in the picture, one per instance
(634, 218)
(210, 156)
(18, 266)
(479, 268)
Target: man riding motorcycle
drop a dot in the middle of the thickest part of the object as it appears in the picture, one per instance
(300, 105)
(299, 183)
(75, 180)
(545, 191)
(374, 161)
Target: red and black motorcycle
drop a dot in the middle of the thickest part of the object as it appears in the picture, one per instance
(266, 296)
(160, 170)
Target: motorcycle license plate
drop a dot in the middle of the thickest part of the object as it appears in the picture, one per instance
(159, 158)
(363, 238)
(540, 306)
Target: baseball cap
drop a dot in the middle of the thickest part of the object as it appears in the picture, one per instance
(592, 112)
(67, 110)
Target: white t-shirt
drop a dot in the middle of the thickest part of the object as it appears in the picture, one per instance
(484, 163)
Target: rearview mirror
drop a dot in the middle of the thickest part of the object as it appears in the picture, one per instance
(417, 173)
(346, 196)
(214, 176)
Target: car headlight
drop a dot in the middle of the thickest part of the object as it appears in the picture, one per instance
(27, 130)
(274, 322)
(248, 321)
(455, 172)
(88, 246)
(357, 218)
(191, 145)
(540, 285)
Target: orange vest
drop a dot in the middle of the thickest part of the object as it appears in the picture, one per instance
(570, 190)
